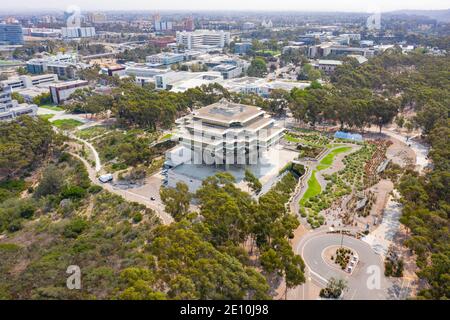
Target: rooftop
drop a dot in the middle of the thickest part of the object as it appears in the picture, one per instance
(228, 112)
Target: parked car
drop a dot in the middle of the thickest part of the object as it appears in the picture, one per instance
(105, 178)
(152, 198)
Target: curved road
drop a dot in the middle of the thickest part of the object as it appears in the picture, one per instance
(367, 282)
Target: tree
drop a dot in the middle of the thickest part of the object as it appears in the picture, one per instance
(431, 113)
(383, 111)
(51, 182)
(176, 200)
(257, 68)
(334, 289)
(252, 181)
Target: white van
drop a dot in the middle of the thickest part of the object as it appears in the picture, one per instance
(105, 178)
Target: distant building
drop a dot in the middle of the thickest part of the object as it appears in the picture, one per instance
(183, 80)
(203, 39)
(242, 47)
(10, 109)
(260, 86)
(77, 32)
(113, 70)
(61, 91)
(229, 71)
(65, 66)
(165, 58)
(26, 81)
(161, 25)
(41, 32)
(11, 34)
(96, 17)
(162, 42)
(267, 24)
(327, 66)
(248, 26)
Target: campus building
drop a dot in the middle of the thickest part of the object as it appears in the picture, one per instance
(62, 91)
(10, 109)
(228, 133)
(11, 34)
(224, 136)
(203, 39)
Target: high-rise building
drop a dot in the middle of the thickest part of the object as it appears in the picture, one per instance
(96, 17)
(10, 109)
(203, 39)
(161, 25)
(77, 32)
(11, 34)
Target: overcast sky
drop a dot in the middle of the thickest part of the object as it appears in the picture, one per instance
(298, 5)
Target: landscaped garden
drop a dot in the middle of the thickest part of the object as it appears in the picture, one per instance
(329, 158)
(92, 132)
(343, 256)
(340, 183)
(66, 124)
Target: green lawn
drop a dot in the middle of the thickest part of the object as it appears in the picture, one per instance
(329, 158)
(313, 188)
(46, 116)
(66, 124)
(50, 107)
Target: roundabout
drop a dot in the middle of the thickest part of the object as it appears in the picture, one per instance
(365, 281)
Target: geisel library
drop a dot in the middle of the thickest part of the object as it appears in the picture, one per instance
(224, 136)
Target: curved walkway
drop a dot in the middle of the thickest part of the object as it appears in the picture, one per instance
(129, 196)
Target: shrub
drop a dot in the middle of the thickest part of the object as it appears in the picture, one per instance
(75, 227)
(73, 192)
(95, 189)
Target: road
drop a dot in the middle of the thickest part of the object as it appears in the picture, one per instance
(129, 196)
(367, 282)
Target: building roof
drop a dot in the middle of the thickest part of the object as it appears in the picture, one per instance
(228, 112)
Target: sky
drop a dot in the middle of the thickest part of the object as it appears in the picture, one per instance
(193, 5)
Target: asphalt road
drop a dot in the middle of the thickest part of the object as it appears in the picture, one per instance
(367, 282)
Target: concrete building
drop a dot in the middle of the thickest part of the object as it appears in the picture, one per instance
(65, 66)
(228, 71)
(77, 32)
(113, 70)
(325, 49)
(260, 86)
(327, 66)
(11, 34)
(242, 48)
(183, 80)
(203, 39)
(61, 91)
(165, 58)
(248, 26)
(230, 134)
(26, 81)
(96, 17)
(10, 109)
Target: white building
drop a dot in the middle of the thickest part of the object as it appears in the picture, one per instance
(26, 81)
(203, 39)
(183, 80)
(261, 86)
(327, 66)
(77, 32)
(61, 91)
(10, 109)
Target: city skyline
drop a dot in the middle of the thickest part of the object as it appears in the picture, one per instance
(234, 5)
